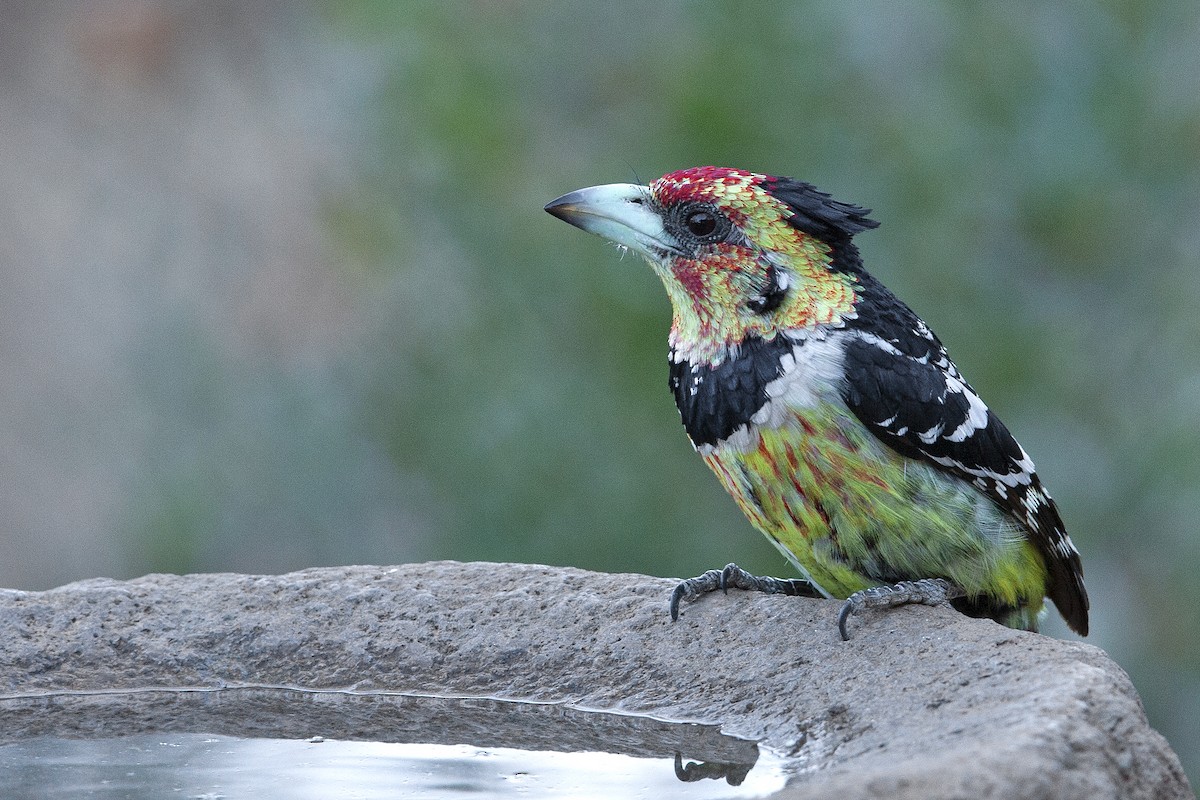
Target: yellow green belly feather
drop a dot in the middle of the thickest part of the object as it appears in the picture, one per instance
(850, 513)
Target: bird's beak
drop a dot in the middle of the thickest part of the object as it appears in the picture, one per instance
(620, 212)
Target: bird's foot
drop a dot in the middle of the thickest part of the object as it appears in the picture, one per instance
(927, 592)
(734, 577)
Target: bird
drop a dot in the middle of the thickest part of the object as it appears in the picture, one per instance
(830, 411)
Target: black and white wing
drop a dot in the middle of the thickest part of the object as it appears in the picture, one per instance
(903, 386)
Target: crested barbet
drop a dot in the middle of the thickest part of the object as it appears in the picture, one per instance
(830, 411)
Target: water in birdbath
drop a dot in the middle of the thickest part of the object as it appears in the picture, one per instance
(284, 743)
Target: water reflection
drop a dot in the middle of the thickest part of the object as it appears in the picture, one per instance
(211, 767)
(288, 743)
(734, 774)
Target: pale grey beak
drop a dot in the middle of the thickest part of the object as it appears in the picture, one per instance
(621, 213)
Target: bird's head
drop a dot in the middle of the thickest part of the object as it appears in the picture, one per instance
(741, 254)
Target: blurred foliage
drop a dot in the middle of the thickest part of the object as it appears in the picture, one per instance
(1036, 168)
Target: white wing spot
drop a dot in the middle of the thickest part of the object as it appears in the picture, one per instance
(977, 412)
(930, 436)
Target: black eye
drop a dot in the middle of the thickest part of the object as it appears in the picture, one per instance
(696, 224)
(701, 223)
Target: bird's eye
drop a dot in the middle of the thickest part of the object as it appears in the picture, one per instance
(700, 223)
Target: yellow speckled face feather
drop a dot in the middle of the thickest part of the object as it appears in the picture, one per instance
(706, 290)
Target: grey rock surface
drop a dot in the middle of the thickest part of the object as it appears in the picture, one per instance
(921, 703)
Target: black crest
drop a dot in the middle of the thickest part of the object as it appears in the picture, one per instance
(816, 213)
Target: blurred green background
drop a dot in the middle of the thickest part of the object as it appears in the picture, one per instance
(278, 290)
